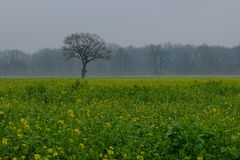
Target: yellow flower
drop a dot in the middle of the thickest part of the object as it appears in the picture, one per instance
(20, 135)
(19, 130)
(111, 148)
(199, 158)
(50, 150)
(60, 150)
(11, 124)
(14, 158)
(37, 125)
(70, 113)
(24, 145)
(108, 125)
(214, 109)
(100, 155)
(104, 157)
(142, 152)
(110, 151)
(4, 141)
(61, 122)
(25, 123)
(81, 146)
(15, 147)
(140, 157)
(76, 130)
(37, 156)
(55, 153)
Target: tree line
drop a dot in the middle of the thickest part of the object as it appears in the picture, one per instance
(154, 59)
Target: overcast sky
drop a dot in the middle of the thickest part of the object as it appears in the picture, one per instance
(33, 24)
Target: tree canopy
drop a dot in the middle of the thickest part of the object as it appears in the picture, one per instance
(86, 47)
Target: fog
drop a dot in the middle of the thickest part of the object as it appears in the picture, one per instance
(29, 25)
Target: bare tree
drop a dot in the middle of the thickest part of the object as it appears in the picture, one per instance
(122, 62)
(157, 57)
(86, 47)
(204, 59)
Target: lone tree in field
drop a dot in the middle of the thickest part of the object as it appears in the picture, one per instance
(86, 47)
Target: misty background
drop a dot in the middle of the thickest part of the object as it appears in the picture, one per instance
(193, 37)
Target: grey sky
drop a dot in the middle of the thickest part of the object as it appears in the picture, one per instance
(33, 24)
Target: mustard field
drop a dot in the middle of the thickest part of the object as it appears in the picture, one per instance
(120, 118)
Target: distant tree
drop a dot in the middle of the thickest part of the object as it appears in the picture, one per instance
(206, 60)
(14, 62)
(157, 57)
(122, 62)
(86, 47)
(42, 62)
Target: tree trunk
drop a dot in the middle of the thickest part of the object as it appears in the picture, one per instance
(84, 71)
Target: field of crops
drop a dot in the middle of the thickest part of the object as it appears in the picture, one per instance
(125, 118)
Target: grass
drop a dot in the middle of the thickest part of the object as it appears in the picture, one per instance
(120, 118)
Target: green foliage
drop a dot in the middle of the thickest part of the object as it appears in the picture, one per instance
(146, 118)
